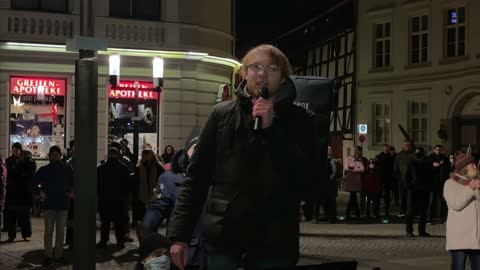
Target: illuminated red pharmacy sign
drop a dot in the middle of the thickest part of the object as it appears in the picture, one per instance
(126, 89)
(31, 86)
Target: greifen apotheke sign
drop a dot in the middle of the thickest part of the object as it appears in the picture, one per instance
(126, 89)
(31, 86)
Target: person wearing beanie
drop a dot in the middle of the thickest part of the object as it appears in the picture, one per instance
(19, 193)
(56, 181)
(166, 192)
(113, 184)
(461, 192)
(418, 182)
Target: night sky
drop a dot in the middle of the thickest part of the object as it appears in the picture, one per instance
(260, 21)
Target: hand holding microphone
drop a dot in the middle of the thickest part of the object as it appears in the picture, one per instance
(263, 110)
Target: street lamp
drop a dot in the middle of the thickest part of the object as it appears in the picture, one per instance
(158, 73)
(114, 69)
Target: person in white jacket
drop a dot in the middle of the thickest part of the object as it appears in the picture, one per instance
(462, 195)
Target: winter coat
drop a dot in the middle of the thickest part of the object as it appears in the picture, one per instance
(146, 177)
(419, 174)
(401, 163)
(113, 183)
(354, 173)
(19, 181)
(56, 180)
(439, 174)
(372, 183)
(166, 193)
(463, 221)
(258, 178)
(3, 183)
(385, 164)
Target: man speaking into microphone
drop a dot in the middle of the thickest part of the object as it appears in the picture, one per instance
(258, 174)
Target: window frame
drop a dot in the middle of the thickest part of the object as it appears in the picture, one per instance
(382, 39)
(420, 34)
(385, 118)
(455, 26)
(39, 7)
(420, 116)
(132, 12)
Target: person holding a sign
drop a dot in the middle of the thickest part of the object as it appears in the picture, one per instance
(259, 176)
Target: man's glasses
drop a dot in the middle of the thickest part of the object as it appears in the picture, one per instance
(269, 68)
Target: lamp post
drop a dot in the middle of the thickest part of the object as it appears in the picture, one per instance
(158, 73)
(114, 69)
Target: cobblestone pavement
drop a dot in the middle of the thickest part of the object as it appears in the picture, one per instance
(372, 245)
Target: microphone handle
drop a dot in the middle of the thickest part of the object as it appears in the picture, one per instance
(258, 123)
(258, 120)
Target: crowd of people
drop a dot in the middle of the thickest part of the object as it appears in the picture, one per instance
(232, 194)
(120, 180)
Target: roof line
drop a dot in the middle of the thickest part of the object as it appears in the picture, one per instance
(312, 20)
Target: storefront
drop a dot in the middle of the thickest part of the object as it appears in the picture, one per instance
(193, 83)
(123, 122)
(37, 113)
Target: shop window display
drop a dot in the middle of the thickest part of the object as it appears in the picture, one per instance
(37, 113)
(122, 104)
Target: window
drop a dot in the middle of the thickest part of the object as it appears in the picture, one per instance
(41, 5)
(419, 39)
(382, 45)
(381, 120)
(455, 33)
(37, 113)
(418, 121)
(138, 9)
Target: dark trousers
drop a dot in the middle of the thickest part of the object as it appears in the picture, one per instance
(138, 212)
(373, 200)
(353, 205)
(417, 202)
(329, 203)
(18, 216)
(438, 207)
(150, 223)
(387, 197)
(402, 190)
(459, 259)
(107, 216)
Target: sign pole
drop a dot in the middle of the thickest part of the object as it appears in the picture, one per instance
(85, 159)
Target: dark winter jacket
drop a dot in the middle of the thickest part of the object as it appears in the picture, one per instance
(401, 163)
(113, 184)
(56, 180)
(258, 178)
(419, 174)
(19, 181)
(166, 193)
(439, 174)
(385, 164)
(3, 183)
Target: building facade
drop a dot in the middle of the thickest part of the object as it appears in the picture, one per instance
(418, 65)
(37, 73)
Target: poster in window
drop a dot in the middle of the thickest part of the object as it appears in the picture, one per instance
(37, 113)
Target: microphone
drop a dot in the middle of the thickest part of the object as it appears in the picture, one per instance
(265, 95)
